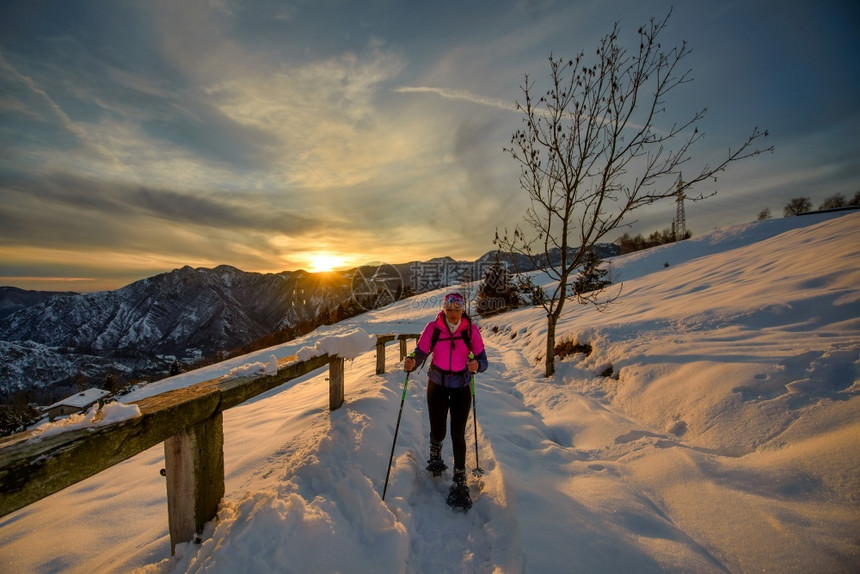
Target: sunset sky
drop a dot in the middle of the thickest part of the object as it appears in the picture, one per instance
(139, 137)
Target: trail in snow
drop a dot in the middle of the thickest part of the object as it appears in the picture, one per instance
(527, 456)
(440, 539)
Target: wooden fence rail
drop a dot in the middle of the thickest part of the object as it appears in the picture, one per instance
(189, 423)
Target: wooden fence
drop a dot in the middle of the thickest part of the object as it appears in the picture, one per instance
(188, 421)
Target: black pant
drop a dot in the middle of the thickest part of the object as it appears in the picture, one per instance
(439, 401)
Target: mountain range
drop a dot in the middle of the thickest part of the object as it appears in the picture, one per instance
(54, 343)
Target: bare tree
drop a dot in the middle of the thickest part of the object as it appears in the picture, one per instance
(797, 206)
(835, 201)
(591, 153)
(764, 214)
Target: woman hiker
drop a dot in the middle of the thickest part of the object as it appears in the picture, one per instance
(450, 338)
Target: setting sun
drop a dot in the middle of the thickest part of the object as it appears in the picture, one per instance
(322, 262)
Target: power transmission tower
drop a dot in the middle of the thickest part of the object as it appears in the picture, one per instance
(679, 225)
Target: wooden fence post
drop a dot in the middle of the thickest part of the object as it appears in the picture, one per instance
(380, 355)
(403, 351)
(335, 383)
(194, 468)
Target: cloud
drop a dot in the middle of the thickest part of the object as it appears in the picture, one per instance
(461, 95)
(69, 125)
(324, 113)
(65, 205)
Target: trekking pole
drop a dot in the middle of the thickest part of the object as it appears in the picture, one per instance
(396, 428)
(477, 472)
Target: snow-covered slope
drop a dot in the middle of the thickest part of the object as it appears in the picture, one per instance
(726, 438)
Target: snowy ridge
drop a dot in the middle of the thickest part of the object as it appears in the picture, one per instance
(725, 439)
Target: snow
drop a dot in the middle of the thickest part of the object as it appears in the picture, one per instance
(726, 439)
(80, 400)
(269, 368)
(348, 345)
(95, 416)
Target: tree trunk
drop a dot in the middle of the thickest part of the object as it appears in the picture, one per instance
(551, 321)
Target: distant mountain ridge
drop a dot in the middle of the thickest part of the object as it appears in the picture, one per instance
(13, 299)
(49, 341)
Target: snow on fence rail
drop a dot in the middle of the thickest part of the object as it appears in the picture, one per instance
(188, 421)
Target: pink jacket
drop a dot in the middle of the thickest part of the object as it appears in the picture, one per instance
(450, 353)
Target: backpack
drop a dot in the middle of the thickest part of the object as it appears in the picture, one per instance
(465, 334)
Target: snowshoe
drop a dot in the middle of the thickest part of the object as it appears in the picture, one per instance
(458, 494)
(435, 464)
(437, 467)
